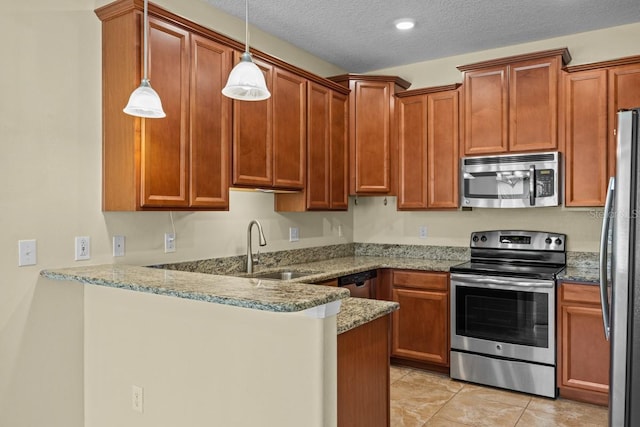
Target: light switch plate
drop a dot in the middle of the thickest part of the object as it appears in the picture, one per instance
(294, 234)
(118, 245)
(27, 252)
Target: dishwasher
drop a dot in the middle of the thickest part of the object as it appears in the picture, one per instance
(361, 285)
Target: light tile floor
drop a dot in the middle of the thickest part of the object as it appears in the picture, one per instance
(426, 399)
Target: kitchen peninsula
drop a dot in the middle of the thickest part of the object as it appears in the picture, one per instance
(237, 351)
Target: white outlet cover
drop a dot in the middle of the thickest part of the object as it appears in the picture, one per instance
(423, 232)
(83, 248)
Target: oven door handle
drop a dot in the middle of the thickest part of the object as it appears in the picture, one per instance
(496, 282)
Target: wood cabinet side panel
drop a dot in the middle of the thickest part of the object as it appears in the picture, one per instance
(121, 50)
(363, 375)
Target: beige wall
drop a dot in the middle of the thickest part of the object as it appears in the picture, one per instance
(50, 129)
(592, 46)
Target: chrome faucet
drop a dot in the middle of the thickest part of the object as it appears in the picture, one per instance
(262, 242)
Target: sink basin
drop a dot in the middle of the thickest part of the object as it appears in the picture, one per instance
(283, 275)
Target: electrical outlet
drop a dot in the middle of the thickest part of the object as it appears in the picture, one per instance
(340, 232)
(169, 242)
(118, 245)
(422, 231)
(137, 398)
(27, 251)
(83, 248)
(294, 234)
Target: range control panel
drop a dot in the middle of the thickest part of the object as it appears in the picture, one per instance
(519, 240)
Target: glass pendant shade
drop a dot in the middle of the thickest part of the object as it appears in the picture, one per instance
(246, 81)
(145, 102)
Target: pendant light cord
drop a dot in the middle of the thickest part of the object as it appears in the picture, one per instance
(246, 26)
(145, 41)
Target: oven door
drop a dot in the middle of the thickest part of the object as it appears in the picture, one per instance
(506, 317)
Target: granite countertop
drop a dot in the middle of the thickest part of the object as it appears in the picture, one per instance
(358, 311)
(268, 295)
(335, 267)
(580, 274)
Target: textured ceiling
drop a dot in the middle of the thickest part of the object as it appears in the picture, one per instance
(359, 36)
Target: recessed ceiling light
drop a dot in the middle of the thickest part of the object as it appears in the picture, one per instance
(405, 24)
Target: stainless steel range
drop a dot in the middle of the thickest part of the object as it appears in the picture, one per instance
(503, 304)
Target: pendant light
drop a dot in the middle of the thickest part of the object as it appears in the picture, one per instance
(246, 81)
(144, 101)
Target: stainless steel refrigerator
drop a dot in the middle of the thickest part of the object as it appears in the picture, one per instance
(619, 284)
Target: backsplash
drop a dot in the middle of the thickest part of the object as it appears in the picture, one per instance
(235, 264)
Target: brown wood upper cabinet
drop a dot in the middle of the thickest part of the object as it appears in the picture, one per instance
(372, 134)
(428, 140)
(327, 154)
(593, 93)
(178, 162)
(269, 137)
(511, 104)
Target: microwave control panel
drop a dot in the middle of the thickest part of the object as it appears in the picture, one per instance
(544, 183)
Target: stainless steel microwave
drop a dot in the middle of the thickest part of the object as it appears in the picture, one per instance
(510, 181)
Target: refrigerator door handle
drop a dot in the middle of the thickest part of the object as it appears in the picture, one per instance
(604, 241)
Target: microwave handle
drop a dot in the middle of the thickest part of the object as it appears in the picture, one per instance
(532, 185)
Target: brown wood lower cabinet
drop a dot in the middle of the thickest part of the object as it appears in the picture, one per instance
(363, 375)
(421, 326)
(583, 351)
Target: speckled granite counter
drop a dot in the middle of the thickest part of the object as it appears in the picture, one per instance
(357, 311)
(580, 274)
(268, 295)
(336, 267)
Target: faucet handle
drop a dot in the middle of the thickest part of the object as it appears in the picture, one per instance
(256, 259)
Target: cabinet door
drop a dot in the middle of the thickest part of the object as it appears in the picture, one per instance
(533, 105)
(585, 139)
(583, 349)
(318, 146)
(253, 137)
(442, 153)
(412, 152)
(486, 109)
(372, 144)
(624, 92)
(420, 327)
(339, 170)
(289, 129)
(164, 149)
(210, 124)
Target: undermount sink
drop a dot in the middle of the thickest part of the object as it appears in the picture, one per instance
(283, 275)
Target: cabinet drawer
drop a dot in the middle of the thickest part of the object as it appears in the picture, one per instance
(580, 293)
(421, 280)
